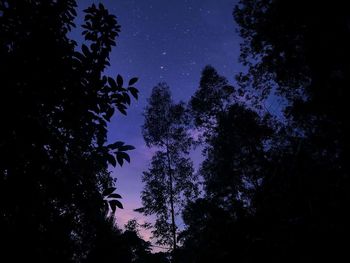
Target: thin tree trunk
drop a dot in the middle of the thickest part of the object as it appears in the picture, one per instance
(172, 210)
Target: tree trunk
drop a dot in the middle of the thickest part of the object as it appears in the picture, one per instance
(172, 213)
(172, 210)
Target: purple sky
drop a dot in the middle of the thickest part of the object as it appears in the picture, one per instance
(168, 41)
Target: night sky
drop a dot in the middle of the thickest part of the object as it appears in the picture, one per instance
(167, 41)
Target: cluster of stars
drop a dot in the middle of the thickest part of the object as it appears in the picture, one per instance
(177, 39)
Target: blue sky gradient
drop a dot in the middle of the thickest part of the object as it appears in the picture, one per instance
(160, 41)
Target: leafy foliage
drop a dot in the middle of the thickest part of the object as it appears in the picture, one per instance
(301, 50)
(278, 192)
(170, 179)
(235, 166)
(211, 98)
(55, 106)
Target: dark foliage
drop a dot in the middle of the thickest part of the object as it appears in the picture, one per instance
(301, 49)
(170, 179)
(278, 192)
(210, 99)
(235, 165)
(55, 104)
(274, 189)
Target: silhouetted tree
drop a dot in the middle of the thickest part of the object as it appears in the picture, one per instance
(300, 51)
(218, 227)
(140, 250)
(170, 179)
(115, 245)
(233, 142)
(55, 104)
(211, 98)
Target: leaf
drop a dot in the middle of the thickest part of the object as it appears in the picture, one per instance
(114, 196)
(125, 156)
(112, 83)
(126, 148)
(119, 204)
(108, 191)
(111, 160)
(132, 81)
(115, 145)
(114, 204)
(120, 81)
(121, 156)
(126, 98)
(109, 113)
(134, 92)
(122, 108)
(120, 160)
(85, 50)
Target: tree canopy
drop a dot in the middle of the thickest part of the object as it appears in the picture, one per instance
(170, 179)
(55, 106)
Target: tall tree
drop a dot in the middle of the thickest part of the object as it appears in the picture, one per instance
(300, 50)
(170, 179)
(55, 104)
(233, 139)
(234, 168)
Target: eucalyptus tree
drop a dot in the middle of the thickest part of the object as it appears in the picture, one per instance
(170, 179)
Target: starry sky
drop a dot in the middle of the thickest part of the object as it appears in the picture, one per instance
(163, 40)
